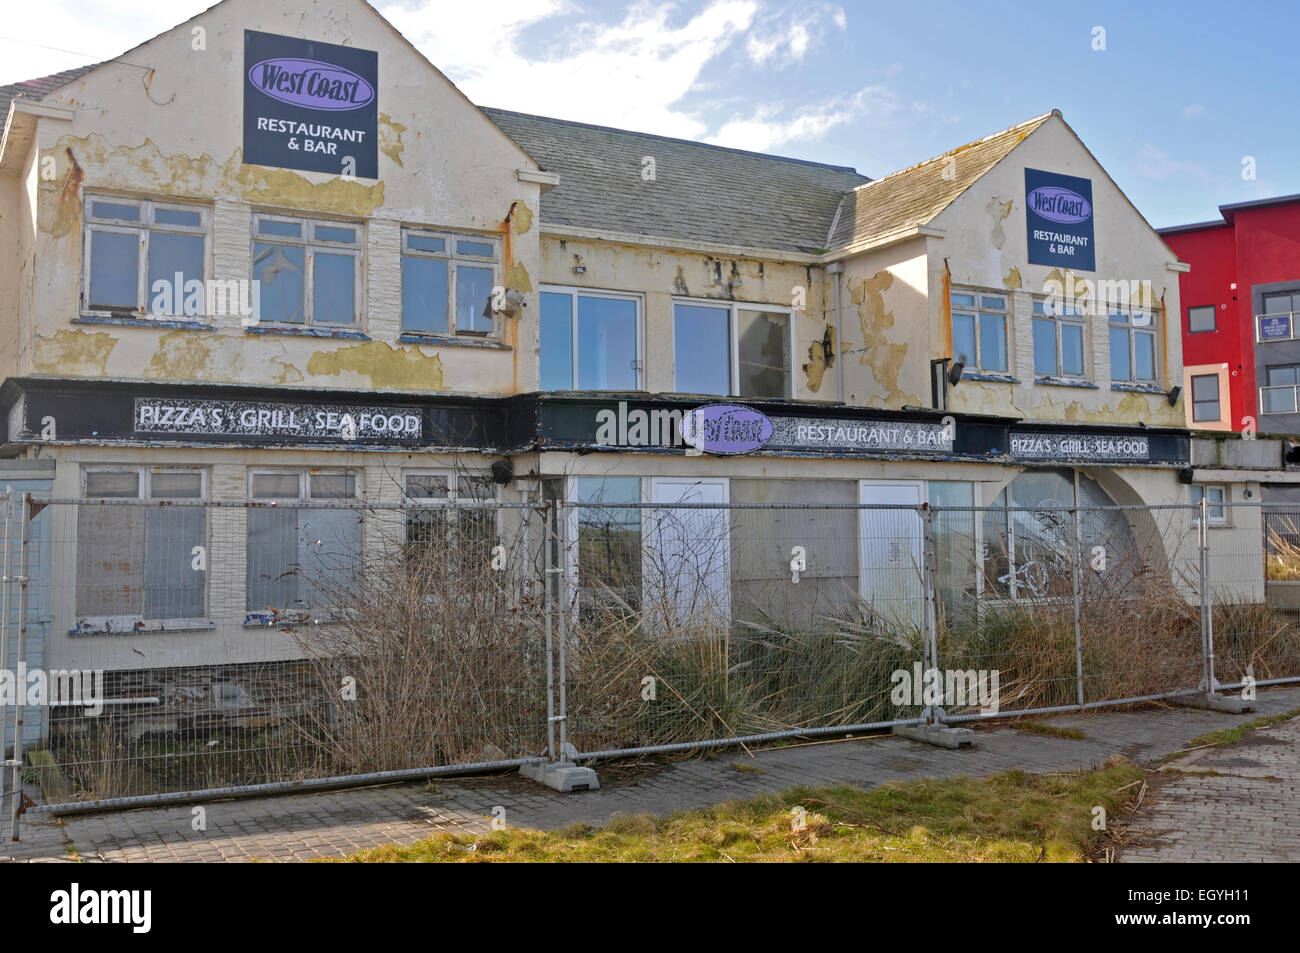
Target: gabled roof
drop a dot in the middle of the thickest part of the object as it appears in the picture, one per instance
(699, 192)
(38, 88)
(915, 195)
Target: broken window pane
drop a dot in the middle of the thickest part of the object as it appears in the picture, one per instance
(280, 270)
(764, 353)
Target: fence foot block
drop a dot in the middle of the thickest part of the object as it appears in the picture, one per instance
(563, 776)
(938, 735)
(1215, 701)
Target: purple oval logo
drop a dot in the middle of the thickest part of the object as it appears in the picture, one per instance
(726, 428)
(311, 83)
(1058, 204)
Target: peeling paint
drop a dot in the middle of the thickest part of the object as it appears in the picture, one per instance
(1012, 280)
(184, 355)
(821, 355)
(74, 353)
(390, 137)
(518, 279)
(883, 356)
(679, 282)
(999, 211)
(201, 177)
(385, 367)
(521, 218)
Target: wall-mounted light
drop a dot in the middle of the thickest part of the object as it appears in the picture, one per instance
(955, 372)
(1173, 395)
(578, 267)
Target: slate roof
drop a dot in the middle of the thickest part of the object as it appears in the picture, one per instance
(700, 192)
(37, 88)
(915, 195)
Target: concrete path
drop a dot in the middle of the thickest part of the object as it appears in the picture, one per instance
(334, 824)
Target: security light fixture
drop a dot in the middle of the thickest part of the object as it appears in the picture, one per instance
(1173, 395)
(954, 372)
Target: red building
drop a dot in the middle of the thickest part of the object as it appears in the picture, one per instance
(1241, 316)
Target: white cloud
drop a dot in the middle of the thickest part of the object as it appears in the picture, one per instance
(1156, 164)
(765, 129)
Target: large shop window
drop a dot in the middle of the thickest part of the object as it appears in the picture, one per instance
(447, 282)
(1279, 394)
(979, 330)
(136, 563)
(308, 272)
(456, 529)
(1205, 398)
(299, 559)
(140, 256)
(590, 340)
(732, 350)
(1133, 347)
(1029, 536)
(1058, 339)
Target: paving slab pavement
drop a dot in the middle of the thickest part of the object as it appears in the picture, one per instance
(338, 823)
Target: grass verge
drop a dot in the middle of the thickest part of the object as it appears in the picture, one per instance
(1009, 817)
(1043, 728)
(1227, 736)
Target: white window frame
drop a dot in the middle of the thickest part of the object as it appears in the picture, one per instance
(1079, 319)
(127, 623)
(454, 259)
(978, 311)
(1150, 324)
(574, 293)
(734, 307)
(311, 245)
(304, 475)
(1222, 506)
(141, 229)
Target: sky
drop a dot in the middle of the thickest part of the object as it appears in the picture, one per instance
(1188, 105)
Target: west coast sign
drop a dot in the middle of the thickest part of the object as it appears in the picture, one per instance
(1058, 215)
(310, 105)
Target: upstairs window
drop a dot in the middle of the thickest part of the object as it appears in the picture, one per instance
(308, 272)
(447, 282)
(979, 330)
(1133, 347)
(140, 256)
(1205, 398)
(1058, 339)
(1278, 396)
(732, 350)
(590, 341)
(1278, 320)
(1200, 319)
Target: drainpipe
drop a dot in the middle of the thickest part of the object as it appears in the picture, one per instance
(836, 268)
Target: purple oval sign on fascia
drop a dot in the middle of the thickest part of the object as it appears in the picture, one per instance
(1058, 204)
(726, 428)
(311, 83)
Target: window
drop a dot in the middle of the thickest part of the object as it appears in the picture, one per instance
(447, 282)
(590, 341)
(300, 559)
(308, 272)
(143, 257)
(1215, 496)
(979, 330)
(1278, 320)
(1058, 339)
(609, 540)
(432, 525)
(1133, 347)
(1205, 397)
(732, 350)
(1279, 394)
(1200, 319)
(136, 563)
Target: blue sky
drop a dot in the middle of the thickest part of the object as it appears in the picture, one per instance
(1181, 94)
